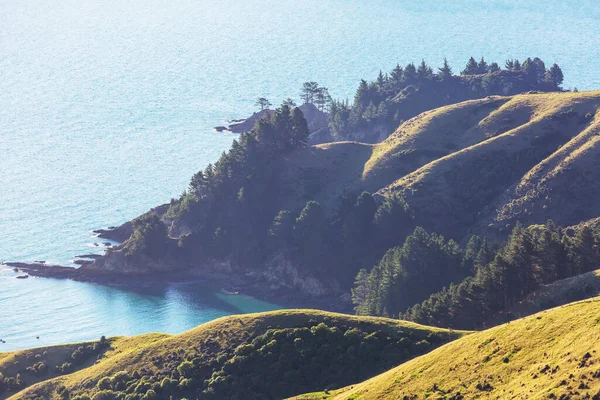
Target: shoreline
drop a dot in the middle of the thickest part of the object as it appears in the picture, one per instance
(281, 296)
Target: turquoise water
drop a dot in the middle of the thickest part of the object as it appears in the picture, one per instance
(107, 108)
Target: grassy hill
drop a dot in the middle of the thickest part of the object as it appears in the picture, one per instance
(266, 355)
(528, 159)
(470, 168)
(476, 166)
(551, 355)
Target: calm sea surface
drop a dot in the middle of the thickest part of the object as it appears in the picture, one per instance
(107, 109)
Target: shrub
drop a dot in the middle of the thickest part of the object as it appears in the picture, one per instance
(104, 384)
(105, 395)
(185, 369)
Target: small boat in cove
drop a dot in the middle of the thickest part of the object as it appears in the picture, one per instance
(22, 276)
(225, 291)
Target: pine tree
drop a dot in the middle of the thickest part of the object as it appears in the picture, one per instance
(289, 102)
(308, 92)
(410, 73)
(300, 132)
(445, 71)
(263, 103)
(320, 98)
(370, 113)
(310, 232)
(482, 67)
(584, 254)
(517, 65)
(362, 94)
(380, 80)
(494, 67)
(534, 69)
(424, 71)
(472, 68)
(282, 230)
(509, 64)
(360, 292)
(397, 76)
(555, 76)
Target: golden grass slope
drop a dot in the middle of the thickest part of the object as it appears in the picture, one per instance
(15, 362)
(139, 352)
(472, 167)
(545, 356)
(528, 167)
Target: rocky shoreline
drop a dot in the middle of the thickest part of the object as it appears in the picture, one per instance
(316, 119)
(256, 288)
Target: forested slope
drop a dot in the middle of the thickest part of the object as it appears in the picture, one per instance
(255, 356)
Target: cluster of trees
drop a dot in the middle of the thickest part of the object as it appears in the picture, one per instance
(230, 211)
(380, 102)
(408, 274)
(337, 247)
(40, 366)
(531, 257)
(227, 205)
(312, 93)
(276, 364)
(470, 285)
(534, 69)
(285, 362)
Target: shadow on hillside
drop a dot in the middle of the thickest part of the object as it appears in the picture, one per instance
(556, 294)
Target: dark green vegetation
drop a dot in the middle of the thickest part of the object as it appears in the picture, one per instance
(258, 356)
(22, 369)
(380, 106)
(323, 220)
(496, 279)
(311, 218)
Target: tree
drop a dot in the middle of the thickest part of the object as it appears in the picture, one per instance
(282, 230)
(509, 64)
(393, 221)
(424, 71)
(445, 71)
(555, 76)
(289, 102)
(494, 67)
(361, 96)
(410, 73)
(360, 292)
(262, 103)
(322, 98)
(535, 70)
(310, 232)
(583, 252)
(308, 91)
(149, 237)
(299, 134)
(472, 68)
(482, 67)
(381, 80)
(396, 76)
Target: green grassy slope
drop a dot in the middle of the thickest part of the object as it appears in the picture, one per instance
(266, 355)
(550, 355)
